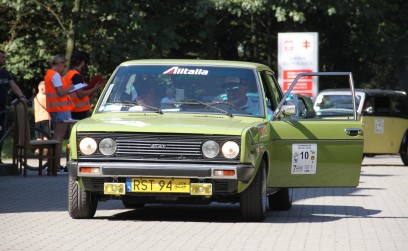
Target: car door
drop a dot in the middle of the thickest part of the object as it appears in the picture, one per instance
(314, 152)
(377, 124)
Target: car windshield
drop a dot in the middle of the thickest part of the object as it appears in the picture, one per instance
(335, 104)
(183, 89)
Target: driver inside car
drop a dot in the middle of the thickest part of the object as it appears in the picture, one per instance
(236, 90)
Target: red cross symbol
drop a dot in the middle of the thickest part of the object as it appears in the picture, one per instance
(306, 44)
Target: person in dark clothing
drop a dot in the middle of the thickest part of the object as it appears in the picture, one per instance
(6, 83)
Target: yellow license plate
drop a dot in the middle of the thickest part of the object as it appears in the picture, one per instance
(160, 185)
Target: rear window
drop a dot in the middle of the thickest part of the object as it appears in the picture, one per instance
(386, 106)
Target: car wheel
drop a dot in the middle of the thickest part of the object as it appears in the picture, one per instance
(253, 199)
(132, 203)
(81, 204)
(281, 200)
(404, 158)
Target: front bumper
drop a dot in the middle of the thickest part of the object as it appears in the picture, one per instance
(243, 172)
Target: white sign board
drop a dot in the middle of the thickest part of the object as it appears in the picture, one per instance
(298, 52)
(304, 158)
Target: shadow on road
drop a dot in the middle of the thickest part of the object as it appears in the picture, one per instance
(185, 213)
(320, 213)
(220, 213)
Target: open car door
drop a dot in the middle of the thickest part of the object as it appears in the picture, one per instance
(314, 152)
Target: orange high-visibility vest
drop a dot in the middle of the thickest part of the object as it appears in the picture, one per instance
(55, 103)
(81, 104)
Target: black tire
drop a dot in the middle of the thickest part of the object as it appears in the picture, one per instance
(253, 201)
(132, 203)
(81, 204)
(404, 158)
(281, 200)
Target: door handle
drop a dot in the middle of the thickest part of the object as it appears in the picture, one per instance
(353, 131)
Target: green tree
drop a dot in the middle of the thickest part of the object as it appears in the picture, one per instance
(366, 37)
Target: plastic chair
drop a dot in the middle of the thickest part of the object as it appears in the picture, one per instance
(24, 147)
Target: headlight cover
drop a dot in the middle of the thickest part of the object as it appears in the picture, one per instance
(210, 149)
(87, 146)
(107, 146)
(230, 149)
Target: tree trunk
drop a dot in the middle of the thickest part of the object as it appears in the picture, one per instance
(71, 32)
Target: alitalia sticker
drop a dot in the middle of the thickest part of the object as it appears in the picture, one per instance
(185, 71)
(304, 158)
(379, 126)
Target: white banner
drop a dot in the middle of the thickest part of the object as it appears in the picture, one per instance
(298, 52)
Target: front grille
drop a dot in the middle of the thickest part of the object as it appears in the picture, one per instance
(158, 146)
(136, 146)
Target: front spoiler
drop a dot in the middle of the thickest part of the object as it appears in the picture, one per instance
(243, 172)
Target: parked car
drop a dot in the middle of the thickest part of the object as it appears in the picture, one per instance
(200, 148)
(383, 113)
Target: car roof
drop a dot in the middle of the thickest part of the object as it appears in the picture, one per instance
(197, 62)
(369, 92)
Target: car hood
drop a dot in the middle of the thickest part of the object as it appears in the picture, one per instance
(167, 123)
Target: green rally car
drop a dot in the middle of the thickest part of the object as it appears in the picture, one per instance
(160, 133)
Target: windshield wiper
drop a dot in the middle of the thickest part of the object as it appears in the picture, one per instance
(197, 102)
(134, 103)
(156, 109)
(125, 103)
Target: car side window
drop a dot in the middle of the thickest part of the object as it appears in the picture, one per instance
(368, 106)
(272, 92)
(306, 109)
(382, 105)
(399, 107)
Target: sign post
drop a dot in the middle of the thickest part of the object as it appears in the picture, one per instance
(298, 52)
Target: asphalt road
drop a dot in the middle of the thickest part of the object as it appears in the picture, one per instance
(373, 216)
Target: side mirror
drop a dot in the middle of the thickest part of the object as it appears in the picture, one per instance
(369, 110)
(289, 110)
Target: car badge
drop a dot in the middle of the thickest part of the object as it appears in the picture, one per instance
(158, 146)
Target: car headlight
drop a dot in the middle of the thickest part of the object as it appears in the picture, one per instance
(87, 146)
(107, 146)
(230, 149)
(210, 149)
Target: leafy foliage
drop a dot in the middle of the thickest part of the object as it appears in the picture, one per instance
(367, 37)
